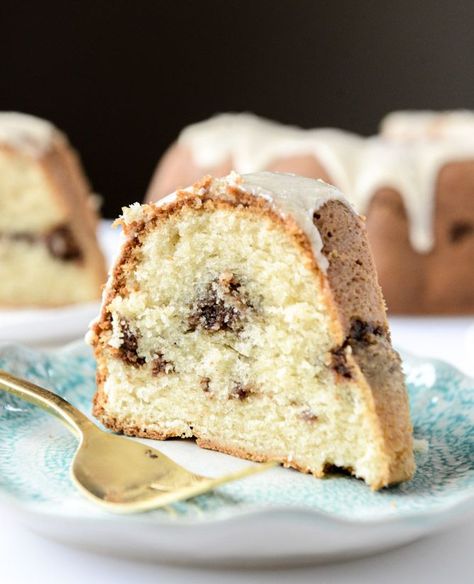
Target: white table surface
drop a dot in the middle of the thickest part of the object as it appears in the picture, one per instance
(26, 558)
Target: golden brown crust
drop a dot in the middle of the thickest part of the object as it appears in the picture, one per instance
(385, 388)
(351, 273)
(353, 281)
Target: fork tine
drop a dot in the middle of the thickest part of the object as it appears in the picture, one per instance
(216, 481)
(198, 488)
(204, 486)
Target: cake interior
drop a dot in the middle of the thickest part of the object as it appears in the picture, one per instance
(223, 333)
(43, 258)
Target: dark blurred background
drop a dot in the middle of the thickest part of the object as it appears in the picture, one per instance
(121, 78)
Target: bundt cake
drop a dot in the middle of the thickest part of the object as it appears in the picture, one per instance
(245, 311)
(417, 192)
(49, 254)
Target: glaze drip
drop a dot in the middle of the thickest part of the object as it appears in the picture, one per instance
(358, 166)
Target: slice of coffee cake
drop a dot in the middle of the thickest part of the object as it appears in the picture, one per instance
(245, 312)
(49, 254)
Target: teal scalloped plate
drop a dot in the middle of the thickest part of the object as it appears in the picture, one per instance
(278, 517)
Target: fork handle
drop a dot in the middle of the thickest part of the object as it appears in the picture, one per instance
(54, 404)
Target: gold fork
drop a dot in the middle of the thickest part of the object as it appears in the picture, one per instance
(118, 473)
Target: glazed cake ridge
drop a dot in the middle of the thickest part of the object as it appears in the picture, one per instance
(253, 141)
(359, 166)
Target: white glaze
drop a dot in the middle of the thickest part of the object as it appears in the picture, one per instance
(412, 169)
(412, 125)
(358, 166)
(26, 133)
(294, 196)
(253, 143)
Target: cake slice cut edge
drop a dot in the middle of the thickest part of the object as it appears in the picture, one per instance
(231, 318)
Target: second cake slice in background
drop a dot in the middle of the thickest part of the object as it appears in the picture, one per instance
(49, 253)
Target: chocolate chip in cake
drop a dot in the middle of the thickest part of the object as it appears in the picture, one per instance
(308, 416)
(339, 362)
(62, 245)
(365, 332)
(333, 469)
(205, 384)
(360, 332)
(212, 314)
(240, 391)
(24, 236)
(160, 366)
(59, 242)
(460, 230)
(129, 347)
(220, 307)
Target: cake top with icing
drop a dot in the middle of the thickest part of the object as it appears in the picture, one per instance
(358, 166)
(26, 133)
(289, 195)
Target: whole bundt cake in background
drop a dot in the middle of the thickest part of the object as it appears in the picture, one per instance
(416, 189)
(252, 298)
(49, 254)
